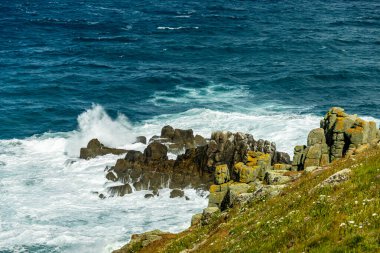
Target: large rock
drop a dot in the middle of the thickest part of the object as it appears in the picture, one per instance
(244, 173)
(234, 190)
(217, 195)
(156, 152)
(95, 148)
(339, 136)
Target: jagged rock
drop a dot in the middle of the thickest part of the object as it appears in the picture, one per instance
(196, 167)
(177, 193)
(111, 176)
(167, 132)
(156, 152)
(95, 148)
(140, 139)
(298, 158)
(316, 136)
(178, 140)
(222, 174)
(228, 148)
(281, 158)
(196, 219)
(340, 135)
(199, 140)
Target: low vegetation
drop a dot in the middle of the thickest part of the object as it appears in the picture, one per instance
(304, 218)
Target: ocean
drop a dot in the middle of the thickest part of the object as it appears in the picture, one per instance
(72, 70)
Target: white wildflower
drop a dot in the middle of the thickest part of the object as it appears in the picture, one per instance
(374, 214)
(351, 221)
(342, 224)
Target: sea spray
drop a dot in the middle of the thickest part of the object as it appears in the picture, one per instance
(96, 123)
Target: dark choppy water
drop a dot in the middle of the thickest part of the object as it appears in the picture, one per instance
(147, 58)
(74, 70)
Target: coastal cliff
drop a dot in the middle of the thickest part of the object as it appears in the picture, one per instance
(256, 192)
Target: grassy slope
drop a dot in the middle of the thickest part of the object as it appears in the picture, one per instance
(345, 218)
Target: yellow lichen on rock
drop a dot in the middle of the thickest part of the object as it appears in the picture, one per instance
(214, 188)
(222, 174)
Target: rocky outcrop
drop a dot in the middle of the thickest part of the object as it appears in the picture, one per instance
(248, 179)
(198, 167)
(139, 241)
(178, 140)
(95, 148)
(228, 148)
(339, 135)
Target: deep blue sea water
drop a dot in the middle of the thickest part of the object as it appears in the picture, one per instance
(74, 70)
(140, 58)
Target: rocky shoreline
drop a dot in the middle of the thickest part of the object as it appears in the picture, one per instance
(234, 167)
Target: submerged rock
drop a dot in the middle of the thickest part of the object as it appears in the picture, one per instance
(95, 148)
(120, 190)
(177, 193)
(148, 195)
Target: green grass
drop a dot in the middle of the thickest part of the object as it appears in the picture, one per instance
(344, 218)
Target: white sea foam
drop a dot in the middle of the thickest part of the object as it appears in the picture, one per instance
(50, 198)
(286, 130)
(48, 201)
(209, 94)
(96, 123)
(175, 28)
